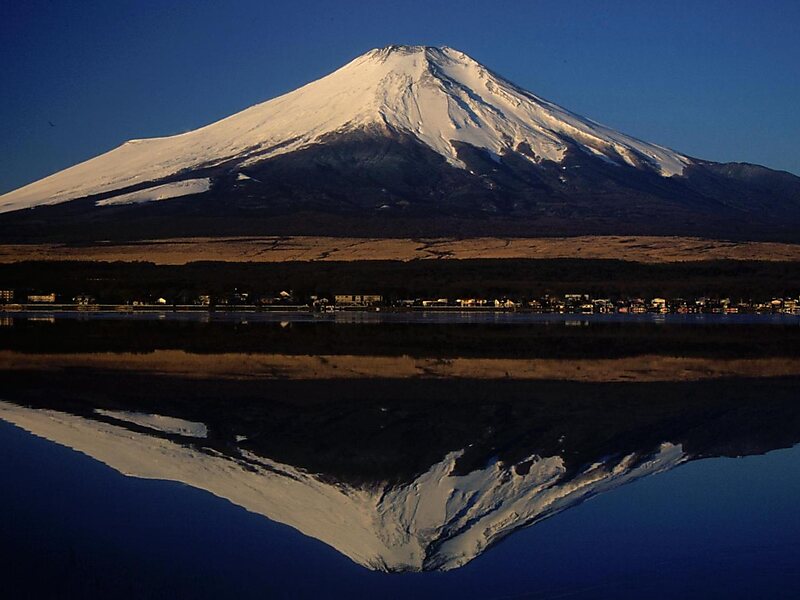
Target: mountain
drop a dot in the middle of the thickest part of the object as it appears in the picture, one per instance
(395, 137)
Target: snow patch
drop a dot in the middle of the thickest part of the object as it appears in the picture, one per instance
(160, 192)
(158, 422)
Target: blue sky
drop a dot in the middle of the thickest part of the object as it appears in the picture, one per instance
(713, 79)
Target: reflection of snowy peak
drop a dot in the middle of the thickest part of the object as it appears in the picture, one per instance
(440, 96)
(447, 520)
(438, 521)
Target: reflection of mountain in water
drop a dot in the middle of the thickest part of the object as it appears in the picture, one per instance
(439, 520)
(389, 475)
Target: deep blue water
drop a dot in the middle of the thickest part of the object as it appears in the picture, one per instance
(72, 527)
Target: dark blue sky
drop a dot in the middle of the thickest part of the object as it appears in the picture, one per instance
(714, 79)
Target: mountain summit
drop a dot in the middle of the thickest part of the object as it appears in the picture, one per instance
(414, 131)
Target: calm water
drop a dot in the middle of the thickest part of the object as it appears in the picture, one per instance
(208, 460)
(74, 527)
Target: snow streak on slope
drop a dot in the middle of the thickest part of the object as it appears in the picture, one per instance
(158, 422)
(439, 521)
(160, 192)
(439, 95)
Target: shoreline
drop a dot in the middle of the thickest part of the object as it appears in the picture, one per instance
(385, 315)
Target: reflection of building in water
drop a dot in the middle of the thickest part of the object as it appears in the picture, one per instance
(50, 319)
(6, 321)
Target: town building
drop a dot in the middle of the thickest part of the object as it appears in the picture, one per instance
(602, 305)
(42, 298)
(471, 302)
(505, 303)
(434, 303)
(357, 299)
(659, 305)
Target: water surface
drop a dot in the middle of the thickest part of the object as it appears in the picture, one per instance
(306, 459)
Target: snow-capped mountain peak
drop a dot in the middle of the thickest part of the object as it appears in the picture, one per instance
(443, 96)
(440, 96)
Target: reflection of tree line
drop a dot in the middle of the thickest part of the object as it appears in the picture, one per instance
(596, 340)
(261, 366)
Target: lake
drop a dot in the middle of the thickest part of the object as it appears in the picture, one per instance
(307, 458)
